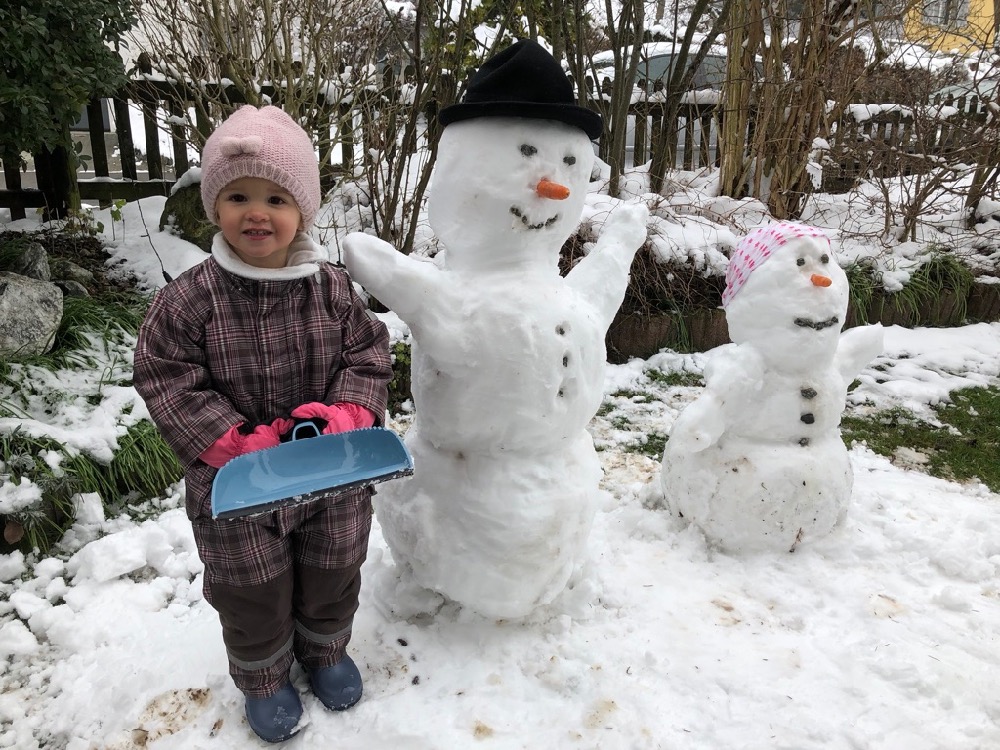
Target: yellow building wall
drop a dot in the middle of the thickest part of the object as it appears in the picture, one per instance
(980, 31)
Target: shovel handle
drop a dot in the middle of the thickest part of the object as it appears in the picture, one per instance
(305, 429)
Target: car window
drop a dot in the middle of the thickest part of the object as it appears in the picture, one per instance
(655, 67)
(711, 74)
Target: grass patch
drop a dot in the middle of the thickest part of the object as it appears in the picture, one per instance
(636, 397)
(42, 522)
(675, 379)
(965, 448)
(142, 468)
(109, 318)
(606, 408)
(941, 276)
(620, 422)
(399, 386)
(12, 248)
(143, 465)
(651, 444)
(863, 279)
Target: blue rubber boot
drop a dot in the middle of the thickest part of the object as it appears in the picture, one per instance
(338, 687)
(274, 718)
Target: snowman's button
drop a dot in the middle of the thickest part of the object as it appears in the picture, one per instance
(565, 360)
(562, 328)
(808, 393)
(803, 442)
(808, 418)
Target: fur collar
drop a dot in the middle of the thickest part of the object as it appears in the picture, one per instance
(304, 257)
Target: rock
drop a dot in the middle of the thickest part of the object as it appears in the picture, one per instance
(32, 262)
(184, 213)
(65, 270)
(72, 288)
(30, 313)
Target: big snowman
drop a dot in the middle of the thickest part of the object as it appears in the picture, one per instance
(757, 461)
(508, 356)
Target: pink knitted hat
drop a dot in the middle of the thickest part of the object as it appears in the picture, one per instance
(754, 249)
(263, 143)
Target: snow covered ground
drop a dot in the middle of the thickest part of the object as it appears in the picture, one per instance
(884, 635)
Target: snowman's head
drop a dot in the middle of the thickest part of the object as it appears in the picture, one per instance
(508, 191)
(786, 292)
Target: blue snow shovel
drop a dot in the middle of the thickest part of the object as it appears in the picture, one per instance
(307, 469)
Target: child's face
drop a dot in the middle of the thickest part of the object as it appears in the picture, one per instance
(259, 220)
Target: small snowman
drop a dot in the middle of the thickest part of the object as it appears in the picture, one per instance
(757, 461)
(508, 356)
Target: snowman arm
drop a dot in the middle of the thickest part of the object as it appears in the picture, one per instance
(700, 425)
(602, 276)
(857, 348)
(403, 284)
(733, 371)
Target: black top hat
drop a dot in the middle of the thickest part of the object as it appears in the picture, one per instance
(522, 81)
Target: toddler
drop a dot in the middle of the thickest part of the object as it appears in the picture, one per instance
(231, 353)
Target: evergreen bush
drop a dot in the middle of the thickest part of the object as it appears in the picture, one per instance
(57, 55)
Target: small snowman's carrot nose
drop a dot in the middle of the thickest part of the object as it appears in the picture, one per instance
(552, 190)
(819, 280)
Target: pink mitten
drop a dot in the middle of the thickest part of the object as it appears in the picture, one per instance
(266, 435)
(234, 443)
(224, 449)
(340, 417)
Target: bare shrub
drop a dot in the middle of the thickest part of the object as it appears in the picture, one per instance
(353, 74)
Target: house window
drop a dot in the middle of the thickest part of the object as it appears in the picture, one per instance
(946, 13)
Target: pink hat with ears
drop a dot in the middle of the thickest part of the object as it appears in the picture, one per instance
(264, 143)
(754, 249)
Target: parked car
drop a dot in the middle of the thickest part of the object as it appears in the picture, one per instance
(985, 89)
(656, 63)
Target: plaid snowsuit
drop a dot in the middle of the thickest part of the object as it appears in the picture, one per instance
(217, 348)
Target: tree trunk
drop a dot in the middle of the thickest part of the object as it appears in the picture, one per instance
(56, 169)
(791, 111)
(615, 108)
(556, 29)
(984, 181)
(682, 73)
(531, 14)
(734, 120)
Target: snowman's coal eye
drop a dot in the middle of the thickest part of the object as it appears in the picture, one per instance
(800, 262)
(824, 258)
(527, 150)
(569, 160)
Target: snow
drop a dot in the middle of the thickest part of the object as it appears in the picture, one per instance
(15, 497)
(881, 635)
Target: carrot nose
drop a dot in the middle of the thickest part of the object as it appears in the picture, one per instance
(553, 190)
(819, 280)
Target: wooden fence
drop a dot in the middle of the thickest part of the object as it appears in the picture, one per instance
(163, 105)
(887, 143)
(894, 141)
(693, 142)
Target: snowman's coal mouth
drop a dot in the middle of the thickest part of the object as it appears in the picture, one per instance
(527, 222)
(819, 325)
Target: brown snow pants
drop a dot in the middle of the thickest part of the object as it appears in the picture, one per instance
(285, 585)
